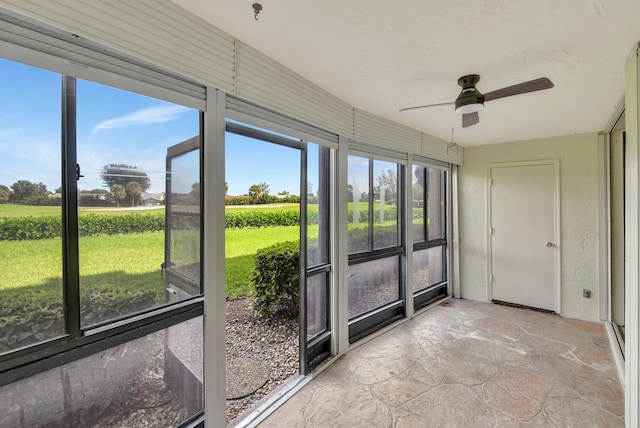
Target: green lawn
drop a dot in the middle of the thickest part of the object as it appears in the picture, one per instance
(32, 263)
(119, 257)
(15, 210)
(240, 247)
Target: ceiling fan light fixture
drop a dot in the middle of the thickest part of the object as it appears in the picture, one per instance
(470, 99)
(470, 108)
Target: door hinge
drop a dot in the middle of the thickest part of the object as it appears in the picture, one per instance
(491, 279)
(491, 230)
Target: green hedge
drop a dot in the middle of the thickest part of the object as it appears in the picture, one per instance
(35, 314)
(264, 199)
(46, 227)
(261, 218)
(276, 279)
(101, 224)
(390, 213)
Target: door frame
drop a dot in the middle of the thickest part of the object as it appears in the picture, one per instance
(556, 226)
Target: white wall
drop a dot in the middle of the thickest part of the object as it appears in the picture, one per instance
(579, 216)
(632, 244)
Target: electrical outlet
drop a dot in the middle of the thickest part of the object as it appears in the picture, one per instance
(586, 293)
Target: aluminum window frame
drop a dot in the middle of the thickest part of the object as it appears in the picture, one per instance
(79, 342)
(427, 295)
(370, 321)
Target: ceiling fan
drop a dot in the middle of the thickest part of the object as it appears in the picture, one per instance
(470, 100)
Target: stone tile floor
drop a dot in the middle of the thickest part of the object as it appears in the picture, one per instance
(468, 364)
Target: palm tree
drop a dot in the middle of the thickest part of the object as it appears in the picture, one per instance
(134, 190)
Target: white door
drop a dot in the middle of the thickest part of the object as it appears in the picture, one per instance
(522, 234)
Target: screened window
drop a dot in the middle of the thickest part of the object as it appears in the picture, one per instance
(373, 221)
(318, 242)
(31, 285)
(429, 234)
(100, 232)
(127, 186)
(374, 244)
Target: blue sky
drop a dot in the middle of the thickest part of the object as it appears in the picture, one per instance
(116, 126)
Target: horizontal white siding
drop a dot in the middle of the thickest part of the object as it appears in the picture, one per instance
(435, 148)
(269, 83)
(383, 132)
(160, 32)
(156, 31)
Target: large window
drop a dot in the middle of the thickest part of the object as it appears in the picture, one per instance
(374, 244)
(100, 231)
(31, 286)
(122, 143)
(429, 234)
(318, 261)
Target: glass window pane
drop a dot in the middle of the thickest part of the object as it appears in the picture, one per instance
(183, 206)
(317, 205)
(385, 222)
(418, 211)
(358, 203)
(435, 204)
(317, 291)
(428, 267)
(373, 284)
(152, 381)
(122, 146)
(30, 206)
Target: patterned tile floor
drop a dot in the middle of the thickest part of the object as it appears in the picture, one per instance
(468, 364)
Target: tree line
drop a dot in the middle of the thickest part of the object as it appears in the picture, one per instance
(125, 184)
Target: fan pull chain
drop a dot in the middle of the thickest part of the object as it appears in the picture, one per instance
(452, 144)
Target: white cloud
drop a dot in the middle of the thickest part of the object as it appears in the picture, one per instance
(158, 114)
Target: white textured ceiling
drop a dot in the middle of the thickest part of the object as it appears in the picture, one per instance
(382, 55)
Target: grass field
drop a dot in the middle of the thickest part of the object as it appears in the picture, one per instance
(131, 257)
(32, 263)
(15, 210)
(134, 257)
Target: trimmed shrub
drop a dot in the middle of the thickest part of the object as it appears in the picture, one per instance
(23, 228)
(261, 218)
(264, 199)
(46, 227)
(390, 213)
(276, 279)
(104, 224)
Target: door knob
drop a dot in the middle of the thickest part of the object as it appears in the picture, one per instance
(550, 244)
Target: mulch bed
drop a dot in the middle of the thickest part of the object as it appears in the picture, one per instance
(273, 341)
(269, 342)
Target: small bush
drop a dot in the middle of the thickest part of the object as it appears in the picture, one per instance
(276, 279)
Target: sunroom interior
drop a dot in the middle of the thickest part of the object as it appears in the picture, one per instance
(535, 206)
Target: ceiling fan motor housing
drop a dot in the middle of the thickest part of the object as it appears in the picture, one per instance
(470, 99)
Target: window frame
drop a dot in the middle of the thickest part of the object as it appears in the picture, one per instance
(431, 293)
(366, 323)
(78, 342)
